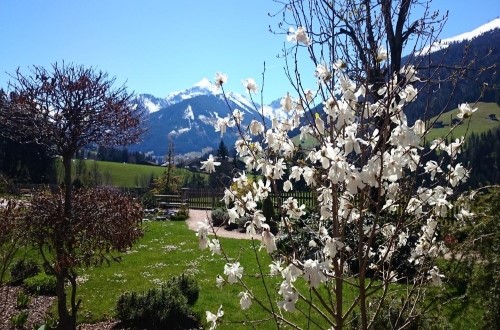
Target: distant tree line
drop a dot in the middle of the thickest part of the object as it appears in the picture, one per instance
(117, 155)
(482, 155)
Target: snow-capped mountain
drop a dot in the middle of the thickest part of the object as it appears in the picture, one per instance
(467, 36)
(188, 119)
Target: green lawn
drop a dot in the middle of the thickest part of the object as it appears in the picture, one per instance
(169, 249)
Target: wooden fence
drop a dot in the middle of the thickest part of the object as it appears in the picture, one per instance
(205, 198)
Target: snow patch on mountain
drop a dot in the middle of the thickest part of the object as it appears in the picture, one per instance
(188, 113)
(152, 107)
(207, 120)
(241, 101)
(203, 87)
(175, 133)
(445, 43)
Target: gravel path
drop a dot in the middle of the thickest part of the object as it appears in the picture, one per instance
(199, 215)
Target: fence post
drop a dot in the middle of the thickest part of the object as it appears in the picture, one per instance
(184, 195)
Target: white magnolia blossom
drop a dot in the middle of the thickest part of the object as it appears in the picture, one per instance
(214, 246)
(435, 277)
(322, 73)
(202, 233)
(465, 111)
(268, 240)
(287, 103)
(250, 85)
(245, 300)
(213, 319)
(290, 297)
(275, 268)
(220, 79)
(233, 271)
(298, 36)
(209, 164)
(219, 281)
(313, 273)
(381, 54)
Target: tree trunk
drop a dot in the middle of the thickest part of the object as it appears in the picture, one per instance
(68, 185)
(66, 321)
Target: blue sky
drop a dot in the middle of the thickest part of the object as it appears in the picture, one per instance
(161, 46)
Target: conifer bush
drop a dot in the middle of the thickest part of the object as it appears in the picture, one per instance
(168, 307)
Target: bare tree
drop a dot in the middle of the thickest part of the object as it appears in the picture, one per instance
(68, 108)
(102, 221)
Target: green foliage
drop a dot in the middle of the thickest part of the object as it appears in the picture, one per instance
(148, 201)
(219, 217)
(188, 286)
(22, 300)
(160, 308)
(19, 320)
(23, 269)
(41, 284)
(181, 215)
(123, 175)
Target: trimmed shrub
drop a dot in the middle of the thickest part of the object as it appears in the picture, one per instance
(181, 215)
(242, 222)
(188, 286)
(160, 308)
(219, 217)
(23, 269)
(41, 284)
(148, 201)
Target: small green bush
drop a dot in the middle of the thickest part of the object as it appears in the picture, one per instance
(18, 321)
(23, 269)
(219, 217)
(188, 286)
(22, 300)
(160, 308)
(242, 223)
(148, 201)
(41, 284)
(181, 215)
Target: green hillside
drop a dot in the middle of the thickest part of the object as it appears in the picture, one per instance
(118, 174)
(479, 122)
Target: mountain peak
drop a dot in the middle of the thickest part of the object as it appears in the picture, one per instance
(207, 85)
(444, 43)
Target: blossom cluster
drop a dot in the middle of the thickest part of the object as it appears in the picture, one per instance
(364, 151)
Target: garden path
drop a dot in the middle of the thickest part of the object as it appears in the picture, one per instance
(196, 216)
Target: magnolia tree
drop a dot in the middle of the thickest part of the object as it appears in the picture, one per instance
(379, 202)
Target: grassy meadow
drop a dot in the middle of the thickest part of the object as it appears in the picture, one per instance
(170, 249)
(480, 122)
(119, 174)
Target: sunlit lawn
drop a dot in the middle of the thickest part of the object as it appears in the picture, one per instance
(169, 249)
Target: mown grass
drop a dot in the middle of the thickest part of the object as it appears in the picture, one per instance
(169, 249)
